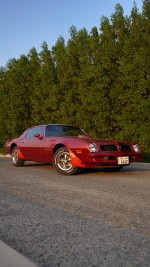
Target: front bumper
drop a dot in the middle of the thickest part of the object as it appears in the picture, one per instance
(103, 159)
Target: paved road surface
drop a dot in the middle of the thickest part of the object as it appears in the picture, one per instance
(91, 219)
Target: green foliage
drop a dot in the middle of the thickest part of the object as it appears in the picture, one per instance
(146, 156)
(98, 80)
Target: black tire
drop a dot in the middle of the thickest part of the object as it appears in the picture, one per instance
(17, 162)
(62, 162)
(115, 169)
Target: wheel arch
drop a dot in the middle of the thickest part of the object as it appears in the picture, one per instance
(12, 146)
(57, 147)
(74, 159)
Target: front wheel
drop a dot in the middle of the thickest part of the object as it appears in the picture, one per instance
(16, 161)
(62, 162)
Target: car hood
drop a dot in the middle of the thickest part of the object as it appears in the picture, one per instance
(90, 138)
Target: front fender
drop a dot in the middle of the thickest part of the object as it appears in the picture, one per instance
(20, 155)
(75, 160)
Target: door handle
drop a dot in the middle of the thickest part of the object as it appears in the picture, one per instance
(23, 142)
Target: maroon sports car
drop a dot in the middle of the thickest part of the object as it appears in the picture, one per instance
(69, 148)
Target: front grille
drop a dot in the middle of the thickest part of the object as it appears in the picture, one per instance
(125, 148)
(108, 148)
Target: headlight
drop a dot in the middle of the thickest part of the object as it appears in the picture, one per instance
(93, 148)
(136, 148)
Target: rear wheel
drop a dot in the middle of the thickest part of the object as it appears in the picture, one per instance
(62, 162)
(16, 161)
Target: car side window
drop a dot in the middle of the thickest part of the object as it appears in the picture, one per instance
(52, 131)
(35, 130)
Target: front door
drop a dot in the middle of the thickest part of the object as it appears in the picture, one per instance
(32, 145)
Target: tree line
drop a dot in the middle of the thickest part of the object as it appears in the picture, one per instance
(99, 81)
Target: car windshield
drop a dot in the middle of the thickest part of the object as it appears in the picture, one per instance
(63, 130)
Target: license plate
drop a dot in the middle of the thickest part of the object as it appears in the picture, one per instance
(123, 160)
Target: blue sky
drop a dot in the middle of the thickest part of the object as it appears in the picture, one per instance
(28, 23)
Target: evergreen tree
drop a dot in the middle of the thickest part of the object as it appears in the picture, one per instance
(78, 66)
(61, 63)
(99, 81)
(15, 96)
(35, 85)
(67, 72)
(48, 93)
(104, 79)
(3, 108)
(134, 83)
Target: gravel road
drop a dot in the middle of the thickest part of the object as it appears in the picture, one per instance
(90, 219)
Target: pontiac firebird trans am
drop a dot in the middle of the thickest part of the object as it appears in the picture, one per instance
(70, 149)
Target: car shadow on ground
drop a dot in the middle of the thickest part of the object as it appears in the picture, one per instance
(140, 167)
(134, 167)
